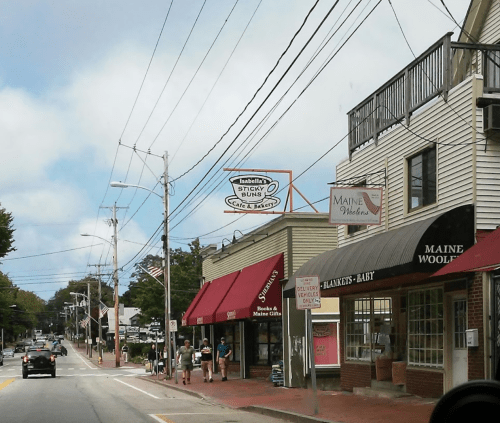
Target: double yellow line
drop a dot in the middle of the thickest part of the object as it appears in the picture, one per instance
(6, 383)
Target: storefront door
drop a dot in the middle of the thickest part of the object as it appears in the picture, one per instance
(459, 351)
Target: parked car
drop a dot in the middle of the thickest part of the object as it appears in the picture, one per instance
(39, 361)
(1, 359)
(8, 352)
(60, 337)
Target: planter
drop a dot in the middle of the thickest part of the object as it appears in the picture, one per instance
(383, 367)
(399, 373)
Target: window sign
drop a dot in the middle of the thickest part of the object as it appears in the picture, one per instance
(325, 344)
(355, 206)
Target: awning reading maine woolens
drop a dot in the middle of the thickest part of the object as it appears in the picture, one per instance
(482, 257)
(420, 248)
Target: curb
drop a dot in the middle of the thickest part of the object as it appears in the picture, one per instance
(289, 416)
(175, 388)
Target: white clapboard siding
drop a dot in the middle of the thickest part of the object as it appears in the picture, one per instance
(443, 123)
(490, 33)
(252, 253)
(310, 242)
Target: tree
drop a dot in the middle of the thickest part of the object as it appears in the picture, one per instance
(148, 295)
(6, 233)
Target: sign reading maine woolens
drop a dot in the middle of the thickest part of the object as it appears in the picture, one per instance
(307, 293)
(253, 192)
(355, 206)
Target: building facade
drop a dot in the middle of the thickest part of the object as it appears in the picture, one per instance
(241, 298)
(426, 138)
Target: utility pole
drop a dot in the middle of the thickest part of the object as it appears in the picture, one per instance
(114, 221)
(99, 347)
(76, 322)
(166, 265)
(89, 337)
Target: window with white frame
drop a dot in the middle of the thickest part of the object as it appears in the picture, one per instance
(368, 328)
(426, 327)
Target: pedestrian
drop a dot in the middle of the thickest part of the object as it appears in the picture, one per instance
(152, 356)
(223, 353)
(206, 360)
(186, 353)
(165, 358)
(125, 352)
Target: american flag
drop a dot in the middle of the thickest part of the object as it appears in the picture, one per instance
(85, 321)
(103, 309)
(155, 271)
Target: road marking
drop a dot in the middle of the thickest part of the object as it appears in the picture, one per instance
(137, 389)
(6, 383)
(161, 418)
(81, 358)
(71, 368)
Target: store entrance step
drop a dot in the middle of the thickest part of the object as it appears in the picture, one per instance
(387, 385)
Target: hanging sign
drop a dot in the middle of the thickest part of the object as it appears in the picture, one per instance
(253, 193)
(355, 206)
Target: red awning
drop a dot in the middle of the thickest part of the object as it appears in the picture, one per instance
(194, 303)
(481, 257)
(204, 312)
(255, 293)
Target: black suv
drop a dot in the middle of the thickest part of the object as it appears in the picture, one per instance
(39, 361)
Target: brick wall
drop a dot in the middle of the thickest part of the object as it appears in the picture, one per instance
(260, 371)
(354, 375)
(424, 383)
(475, 321)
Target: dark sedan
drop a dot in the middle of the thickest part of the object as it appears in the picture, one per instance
(59, 350)
(39, 361)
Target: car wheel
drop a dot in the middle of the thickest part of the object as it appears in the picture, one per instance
(25, 375)
(53, 374)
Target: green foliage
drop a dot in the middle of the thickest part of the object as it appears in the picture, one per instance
(6, 233)
(148, 295)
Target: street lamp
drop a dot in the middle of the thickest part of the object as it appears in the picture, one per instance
(89, 347)
(115, 277)
(166, 251)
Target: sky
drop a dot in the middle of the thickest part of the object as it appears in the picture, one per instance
(82, 83)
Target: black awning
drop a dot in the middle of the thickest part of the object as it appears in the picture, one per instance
(420, 247)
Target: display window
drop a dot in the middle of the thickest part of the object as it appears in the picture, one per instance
(325, 339)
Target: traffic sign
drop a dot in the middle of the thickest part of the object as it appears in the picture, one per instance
(307, 293)
(173, 325)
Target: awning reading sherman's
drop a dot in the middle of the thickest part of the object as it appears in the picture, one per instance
(255, 293)
(418, 248)
(194, 303)
(204, 312)
(484, 256)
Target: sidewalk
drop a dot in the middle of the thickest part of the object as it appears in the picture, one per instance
(292, 404)
(108, 359)
(295, 404)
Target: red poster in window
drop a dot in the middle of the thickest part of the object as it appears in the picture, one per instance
(325, 343)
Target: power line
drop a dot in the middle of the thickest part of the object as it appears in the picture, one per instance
(47, 254)
(216, 81)
(258, 90)
(171, 72)
(279, 119)
(194, 76)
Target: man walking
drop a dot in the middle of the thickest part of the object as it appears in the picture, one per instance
(186, 353)
(206, 360)
(125, 352)
(223, 353)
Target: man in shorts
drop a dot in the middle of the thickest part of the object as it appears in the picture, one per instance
(223, 353)
(206, 360)
(186, 353)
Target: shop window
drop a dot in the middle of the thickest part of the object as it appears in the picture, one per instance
(422, 179)
(268, 343)
(425, 328)
(232, 335)
(369, 328)
(325, 344)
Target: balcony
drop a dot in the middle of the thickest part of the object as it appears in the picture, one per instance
(444, 65)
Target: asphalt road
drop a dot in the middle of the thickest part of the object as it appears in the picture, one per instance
(84, 393)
